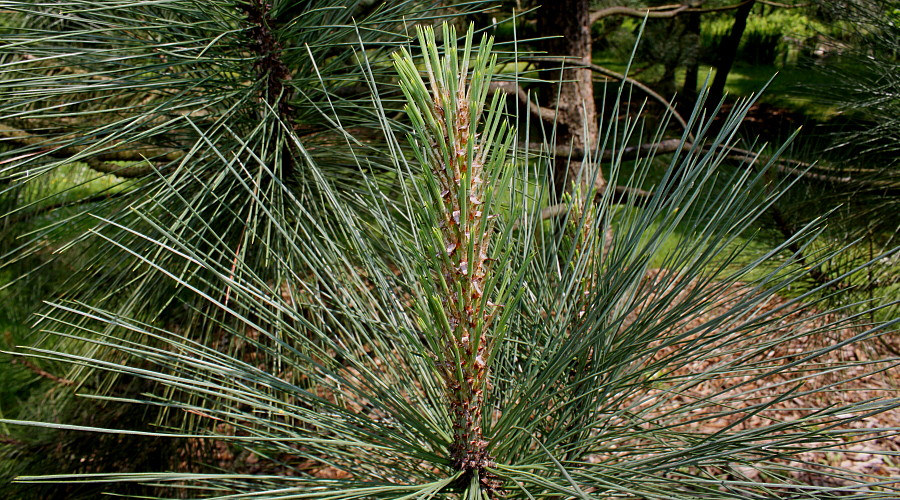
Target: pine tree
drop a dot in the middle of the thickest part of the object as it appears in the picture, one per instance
(434, 337)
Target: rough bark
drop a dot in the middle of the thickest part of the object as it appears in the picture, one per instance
(573, 97)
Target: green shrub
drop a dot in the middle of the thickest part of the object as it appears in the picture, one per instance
(776, 38)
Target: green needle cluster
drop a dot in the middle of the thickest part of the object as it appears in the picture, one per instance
(463, 158)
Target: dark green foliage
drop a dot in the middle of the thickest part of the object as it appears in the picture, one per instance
(120, 117)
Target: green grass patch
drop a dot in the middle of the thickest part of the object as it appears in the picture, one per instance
(790, 87)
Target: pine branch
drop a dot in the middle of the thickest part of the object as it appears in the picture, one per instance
(511, 88)
(22, 213)
(549, 115)
(100, 162)
(661, 12)
(665, 11)
(784, 166)
(640, 197)
(671, 109)
(270, 67)
(621, 195)
(4, 439)
(45, 374)
(784, 5)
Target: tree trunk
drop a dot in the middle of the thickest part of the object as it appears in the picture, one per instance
(692, 66)
(576, 124)
(729, 53)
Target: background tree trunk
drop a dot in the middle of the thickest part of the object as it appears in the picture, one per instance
(576, 124)
(729, 53)
(692, 66)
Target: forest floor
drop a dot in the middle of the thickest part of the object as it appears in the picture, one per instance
(846, 373)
